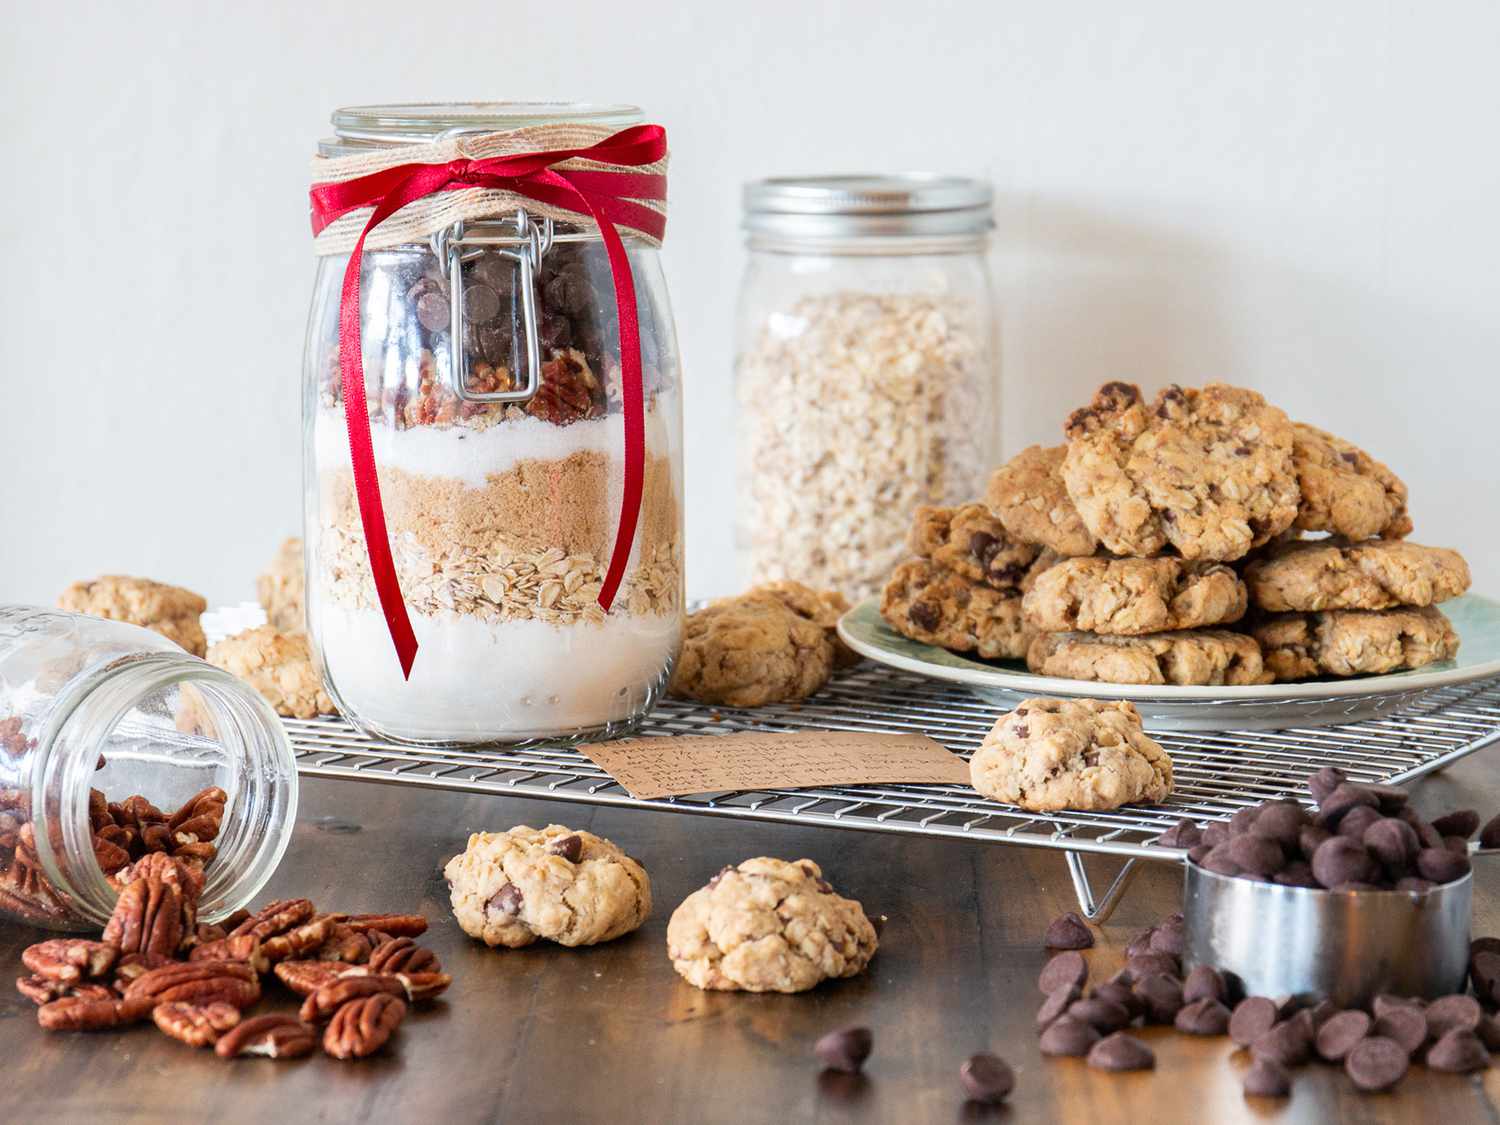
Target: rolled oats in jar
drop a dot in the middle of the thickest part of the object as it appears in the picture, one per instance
(501, 496)
(866, 379)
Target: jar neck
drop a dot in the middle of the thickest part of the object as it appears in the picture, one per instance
(222, 733)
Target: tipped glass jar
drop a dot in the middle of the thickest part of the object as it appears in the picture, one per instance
(501, 516)
(867, 376)
(115, 743)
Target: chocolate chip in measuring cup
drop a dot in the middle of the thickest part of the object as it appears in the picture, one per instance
(1342, 860)
(1324, 782)
(1441, 865)
(1392, 841)
(1356, 821)
(1259, 855)
(1281, 821)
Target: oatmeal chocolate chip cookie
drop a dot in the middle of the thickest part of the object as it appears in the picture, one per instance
(279, 666)
(1194, 656)
(568, 886)
(1088, 754)
(169, 610)
(1344, 489)
(822, 607)
(1354, 642)
(1133, 596)
(972, 543)
(1028, 495)
(749, 651)
(938, 607)
(281, 588)
(1208, 471)
(766, 925)
(1377, 574)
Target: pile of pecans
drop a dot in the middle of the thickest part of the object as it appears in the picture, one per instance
(356, 973)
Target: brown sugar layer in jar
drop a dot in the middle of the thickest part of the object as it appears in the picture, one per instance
(532, 543)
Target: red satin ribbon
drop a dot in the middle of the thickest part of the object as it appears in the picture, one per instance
(609, 197)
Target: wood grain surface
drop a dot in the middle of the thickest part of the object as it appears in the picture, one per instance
(612, 1034)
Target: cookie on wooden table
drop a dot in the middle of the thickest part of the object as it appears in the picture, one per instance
(766, 925)
(1189, 657)
(279, 666)
(1028, 495)
(1354, 642)
(1208, 471)
(933, 605)
(1375, 574)
(559, 884)
(169, 610)
(1086, 754)
(1133, 596)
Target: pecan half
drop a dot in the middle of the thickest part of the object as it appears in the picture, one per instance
(330, 997)
(418, 986)
(194, 1024)
(350, 946)
(204, 806)
(40, 990)
(361, 1027)
(272, 1036)
(306, 977)
(157, 907)
(402, 955)
(246, 948)
(396, 925)
(87, 1013)
(69, 959)
(299, 940)
(275, 918)
(198, 982)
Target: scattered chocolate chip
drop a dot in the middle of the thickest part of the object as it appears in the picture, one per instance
(1457, 1052)
(1489, 835)
(1258, 855)
(1376, 1064)
(1288, 1042)
(1160, 997)
(1267, 1078)
(1144, 964)
(1104, 1015)
(1069, 931)
(1339, 1033)
(1461, 823)
(1342, 860)
(845, 1049)
(1139, 944)
(1252, 1018)
(1322, 1012)
(1065, 969)
(1171, 940)
(1387, 1002)
(1056, 1004)
(1117, 993)
(1488, 1032)
(1203, 1017)
(1121, 1051)
(1441, 866)
(1068, 1038)
(986, 1078)
(569, 847)
(1204, 982)
(1407, 1026)
(1452, 1013)
(1183, 834)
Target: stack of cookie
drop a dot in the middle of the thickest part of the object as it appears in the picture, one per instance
(1140, 526)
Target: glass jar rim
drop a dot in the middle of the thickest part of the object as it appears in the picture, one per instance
(395, 123)
(904, 205)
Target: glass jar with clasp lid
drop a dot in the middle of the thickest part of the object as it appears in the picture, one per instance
(543, 589)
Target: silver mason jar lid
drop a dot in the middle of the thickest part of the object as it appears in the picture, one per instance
(910, 205)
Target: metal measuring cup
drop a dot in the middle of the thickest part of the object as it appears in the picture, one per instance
(1343, 946)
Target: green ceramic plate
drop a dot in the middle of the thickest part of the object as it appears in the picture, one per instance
(1313, 703)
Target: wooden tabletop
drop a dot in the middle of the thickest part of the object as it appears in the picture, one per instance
(612, 1034)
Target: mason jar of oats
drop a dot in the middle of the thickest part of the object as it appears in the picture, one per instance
(867, 375)
(536, 557)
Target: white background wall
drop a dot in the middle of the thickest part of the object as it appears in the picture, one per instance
(1301, 197)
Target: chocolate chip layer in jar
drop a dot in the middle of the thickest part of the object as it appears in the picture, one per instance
(502, 516)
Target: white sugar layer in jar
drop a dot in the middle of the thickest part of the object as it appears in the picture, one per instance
(504, 681)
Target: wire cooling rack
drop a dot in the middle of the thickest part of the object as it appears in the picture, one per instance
(1214, 773)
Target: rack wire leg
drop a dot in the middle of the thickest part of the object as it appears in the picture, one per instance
(1098, 911)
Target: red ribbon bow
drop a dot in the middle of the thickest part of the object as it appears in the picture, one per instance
(609, 197)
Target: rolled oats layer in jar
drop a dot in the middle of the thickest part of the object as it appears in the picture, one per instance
(866, 376)
(502, 516)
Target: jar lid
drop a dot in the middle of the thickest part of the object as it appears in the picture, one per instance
(913, 204)
(379, 126)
